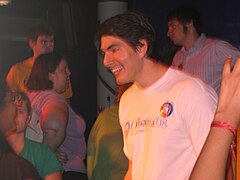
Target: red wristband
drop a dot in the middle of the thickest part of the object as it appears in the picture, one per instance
(227, 126)
(224, 125)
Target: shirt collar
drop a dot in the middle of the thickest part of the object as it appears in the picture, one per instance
(197, 45)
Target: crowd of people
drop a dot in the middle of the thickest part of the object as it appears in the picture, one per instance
(168, 122)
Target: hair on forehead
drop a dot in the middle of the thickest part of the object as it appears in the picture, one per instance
(43, 65)
(132, 27)
(40, 29)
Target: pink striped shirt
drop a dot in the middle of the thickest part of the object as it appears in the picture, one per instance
(205, 59)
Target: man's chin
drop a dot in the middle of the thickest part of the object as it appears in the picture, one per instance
(121, 82)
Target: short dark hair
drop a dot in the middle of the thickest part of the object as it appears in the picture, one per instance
(43, 65)
(185, 14)
(40, 29)
(130, 26)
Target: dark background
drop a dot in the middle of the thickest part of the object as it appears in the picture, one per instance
(75, 22)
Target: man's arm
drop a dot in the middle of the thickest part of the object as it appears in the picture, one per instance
(211, 164)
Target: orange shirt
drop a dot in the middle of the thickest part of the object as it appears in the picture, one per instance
(19, 74)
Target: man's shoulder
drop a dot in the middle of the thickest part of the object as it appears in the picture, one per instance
(27, 62)
(185, 80)
(23, 63)
(216, 42)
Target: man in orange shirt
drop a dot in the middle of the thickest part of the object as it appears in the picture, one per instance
(40, 40)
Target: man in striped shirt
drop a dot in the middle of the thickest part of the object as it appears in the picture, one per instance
(199, 56)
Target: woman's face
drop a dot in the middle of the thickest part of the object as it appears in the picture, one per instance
(60, 77)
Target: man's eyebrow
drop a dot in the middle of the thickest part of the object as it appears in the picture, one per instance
(109, 47)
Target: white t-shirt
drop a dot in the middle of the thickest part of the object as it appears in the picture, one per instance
(165, 125)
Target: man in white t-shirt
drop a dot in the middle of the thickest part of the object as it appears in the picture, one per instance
(165, 115)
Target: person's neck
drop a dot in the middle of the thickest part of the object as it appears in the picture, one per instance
(34, 57)
(190, 40)
(16, 141)
(151, 73)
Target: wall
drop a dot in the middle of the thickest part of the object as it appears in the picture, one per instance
(220, 18)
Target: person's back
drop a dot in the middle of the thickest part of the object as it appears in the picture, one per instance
(199, 56)
(14, 167)
(18, 74)
(105, 157)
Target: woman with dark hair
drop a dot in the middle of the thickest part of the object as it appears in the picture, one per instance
(53, 121)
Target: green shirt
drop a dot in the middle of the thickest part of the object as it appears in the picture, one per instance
(105, 156)
(41, 156)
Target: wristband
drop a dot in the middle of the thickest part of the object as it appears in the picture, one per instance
(227, 126)
(224, 125)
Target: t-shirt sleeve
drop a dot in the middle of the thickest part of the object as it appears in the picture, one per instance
(223, 50)
(12, 78)
(50, 163)
(198, 113)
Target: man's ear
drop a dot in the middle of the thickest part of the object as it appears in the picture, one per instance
(189, 24)
(50, 76)
(31, 43)
(142, 49)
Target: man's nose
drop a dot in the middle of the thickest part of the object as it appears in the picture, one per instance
(106, 59)
(169, 32)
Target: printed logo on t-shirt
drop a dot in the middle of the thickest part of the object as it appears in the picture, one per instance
(160, 120)
(166, 109)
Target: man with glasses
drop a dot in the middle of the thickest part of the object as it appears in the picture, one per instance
(41, 41)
